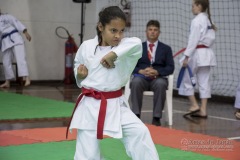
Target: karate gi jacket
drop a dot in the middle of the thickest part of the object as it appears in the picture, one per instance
(201, 33)
(102, 79)
(8, 23)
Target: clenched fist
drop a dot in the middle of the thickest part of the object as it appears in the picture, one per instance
(82, 71)
(108, 60)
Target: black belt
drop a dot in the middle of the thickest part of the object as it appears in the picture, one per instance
(9, 34)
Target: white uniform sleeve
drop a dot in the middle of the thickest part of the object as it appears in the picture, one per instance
(16, 23)
(129, 47)
(194, 37)
(77, 61)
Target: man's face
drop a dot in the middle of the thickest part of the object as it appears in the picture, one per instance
(152, 33)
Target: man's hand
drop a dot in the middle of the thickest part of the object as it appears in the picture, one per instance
(108, 60)
(82, 71)
(149, 72)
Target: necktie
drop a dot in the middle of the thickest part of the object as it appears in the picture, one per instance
(150, 54)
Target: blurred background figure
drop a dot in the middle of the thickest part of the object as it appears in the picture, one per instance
(237, 103)
(12, 44)
(199, 56)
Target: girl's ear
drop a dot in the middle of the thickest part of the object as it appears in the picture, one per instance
(100, 26)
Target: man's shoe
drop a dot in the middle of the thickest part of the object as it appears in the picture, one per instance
(156, 121)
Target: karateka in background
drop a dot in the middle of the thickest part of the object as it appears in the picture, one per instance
(199, 59)
(103, 66)
(12, 44)
(237, 103)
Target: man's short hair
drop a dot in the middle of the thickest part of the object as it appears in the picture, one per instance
(153, 23)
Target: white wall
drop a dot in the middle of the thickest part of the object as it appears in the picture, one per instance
(45, 53)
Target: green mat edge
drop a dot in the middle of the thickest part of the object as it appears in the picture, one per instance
(4, 117)
(68, 149)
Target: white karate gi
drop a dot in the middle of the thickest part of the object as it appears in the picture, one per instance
(237, 98)
(201, 59)
(120, 122)
(12, 44)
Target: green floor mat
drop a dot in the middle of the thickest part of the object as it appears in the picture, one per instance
(111, 149)
(15, 106)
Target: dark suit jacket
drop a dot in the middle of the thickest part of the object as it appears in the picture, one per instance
(163, 63)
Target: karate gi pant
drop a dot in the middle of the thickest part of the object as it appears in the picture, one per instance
(19, 53)
(136, 139)
(237, 98)
(202, 75)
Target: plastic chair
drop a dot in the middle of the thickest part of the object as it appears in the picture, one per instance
(168, 103)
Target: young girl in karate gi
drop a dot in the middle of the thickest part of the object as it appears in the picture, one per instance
(102, 67)
(237, 103)
(200, 57)
(11, 43)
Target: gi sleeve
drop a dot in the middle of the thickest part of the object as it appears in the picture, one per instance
(129, 47)
(16, 23)
(77, 61)
(128, 51)
(194, 37)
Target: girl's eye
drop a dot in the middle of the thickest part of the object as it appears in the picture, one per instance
(113, 30)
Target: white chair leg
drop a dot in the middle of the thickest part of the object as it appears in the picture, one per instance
(168, 103)
(169, 109)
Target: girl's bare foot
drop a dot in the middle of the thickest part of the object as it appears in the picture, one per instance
(6, 84)
(27, 82)
(202, 113)
(193, 108)
(237, 114)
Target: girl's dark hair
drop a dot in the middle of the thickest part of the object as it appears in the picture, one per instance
(108, 14)
(206, 8)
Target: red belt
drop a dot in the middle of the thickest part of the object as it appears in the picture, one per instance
(182, 50)
(103, 106)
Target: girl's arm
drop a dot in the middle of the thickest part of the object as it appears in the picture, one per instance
(131, 47)
(80, 70)
(194, 37)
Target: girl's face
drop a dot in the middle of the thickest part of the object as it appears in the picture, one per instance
(112, 33)
(196, 9)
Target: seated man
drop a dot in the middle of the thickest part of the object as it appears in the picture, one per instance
(151, 72)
